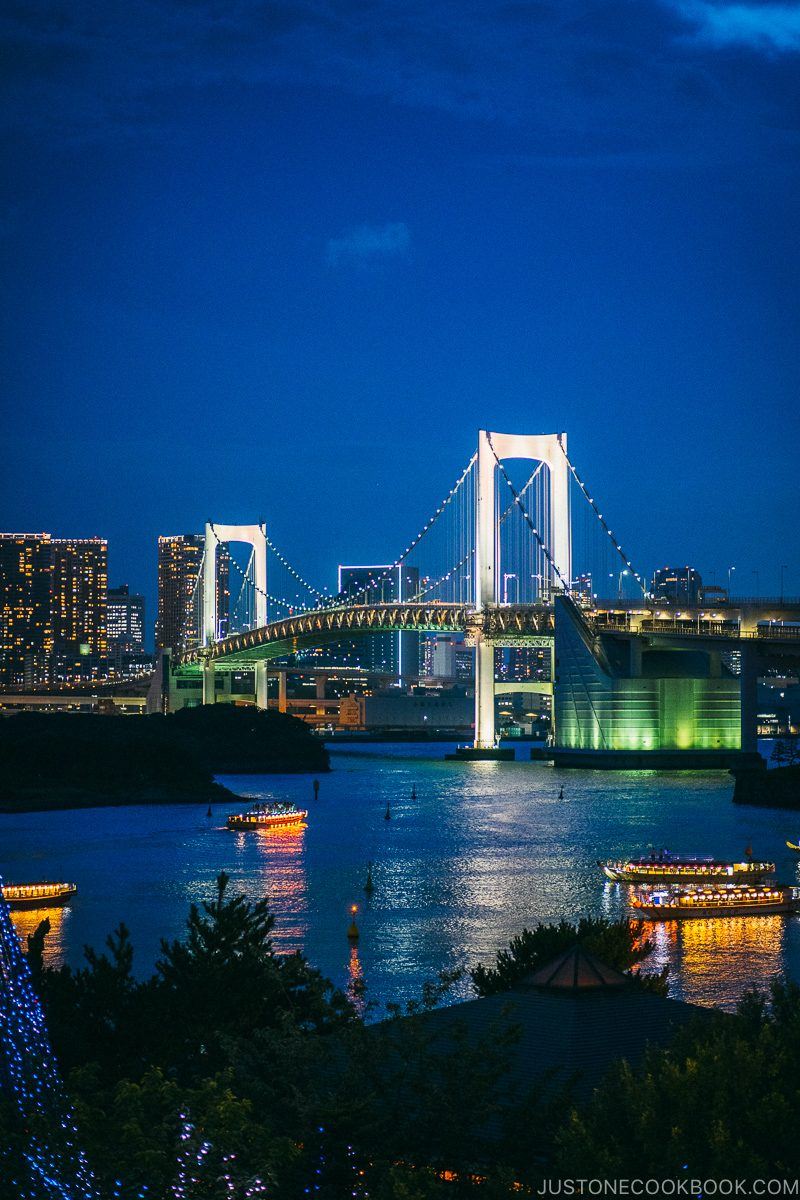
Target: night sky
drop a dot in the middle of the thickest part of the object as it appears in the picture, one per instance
(282, 260)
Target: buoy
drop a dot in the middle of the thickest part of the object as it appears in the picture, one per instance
(369, 886)
(413, 792)
(316, 789)
(561, 793)
(748, 850)
(352, 929)
(387, 816)
(208, 814)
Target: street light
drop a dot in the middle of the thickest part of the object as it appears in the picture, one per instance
(506, 576)
(619, 584)
(730, 572)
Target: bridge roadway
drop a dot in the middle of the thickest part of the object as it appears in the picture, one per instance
(503, 625)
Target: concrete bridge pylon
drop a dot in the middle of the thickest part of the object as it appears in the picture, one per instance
(249, 535)
(550, 449)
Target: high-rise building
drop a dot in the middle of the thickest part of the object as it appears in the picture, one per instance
(180, 591)
(26, 635)
(52, 607)
(79, 591)
(677, 585)
(125, 618)
(384, 653)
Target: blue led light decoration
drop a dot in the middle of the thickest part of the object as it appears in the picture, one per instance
(46, 1163)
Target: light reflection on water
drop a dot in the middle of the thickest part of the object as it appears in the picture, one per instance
(27, 920)
(484, 849)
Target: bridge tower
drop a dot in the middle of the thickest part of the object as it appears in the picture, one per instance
(550, 449)
(250, 535)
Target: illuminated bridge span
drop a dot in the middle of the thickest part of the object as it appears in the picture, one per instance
(515, 551)
(502, 625)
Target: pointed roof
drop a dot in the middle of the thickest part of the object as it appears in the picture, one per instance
(573, 971)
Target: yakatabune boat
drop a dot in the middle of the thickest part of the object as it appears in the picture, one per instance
(38, 895)
(664, 867)
(273, 818)
(709, 900)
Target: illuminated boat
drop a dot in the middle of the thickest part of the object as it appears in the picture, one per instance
(714, 900)
(793, 846)
(272, 818)
(681, 868)
(38, 895)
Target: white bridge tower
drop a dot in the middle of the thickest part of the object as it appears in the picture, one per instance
(250, 535)
(547, 448)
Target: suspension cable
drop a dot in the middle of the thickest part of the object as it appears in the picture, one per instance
(602, 521)
(267, 595)
(412, 545)
(245, 577)
(296, 574)
(531, 479)
(442, 578)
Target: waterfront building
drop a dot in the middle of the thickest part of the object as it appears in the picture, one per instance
(52, 608)
(180, 558)
(421, 710)
(125, 622)
(633, 698)
(678, 585)
(26, 633)
(525, 662)
(79, 595)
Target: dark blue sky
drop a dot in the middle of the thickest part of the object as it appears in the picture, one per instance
(283, 260)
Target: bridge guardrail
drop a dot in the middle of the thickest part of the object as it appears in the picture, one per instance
(690, 628)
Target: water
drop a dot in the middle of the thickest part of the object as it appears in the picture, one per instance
(484, 849)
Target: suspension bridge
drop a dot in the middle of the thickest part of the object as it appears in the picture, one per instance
(517, 553)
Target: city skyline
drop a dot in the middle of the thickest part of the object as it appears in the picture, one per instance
(734, 578)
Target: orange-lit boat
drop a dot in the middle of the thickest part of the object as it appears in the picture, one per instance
(669, 868)
(269, 818)
(714, 900)
(38, 895)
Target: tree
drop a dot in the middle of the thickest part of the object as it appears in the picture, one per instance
(786, 751)
(620, 944)
(39, 1154)
(721, 1102)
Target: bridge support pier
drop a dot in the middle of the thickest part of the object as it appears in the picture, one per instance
(748, 685)
(209, 682)
(484, 696)
(261, 684)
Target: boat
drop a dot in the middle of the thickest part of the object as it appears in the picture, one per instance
(793, 846)
(38, 895)
(272, 818)
(714, 900)
(665, 867)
